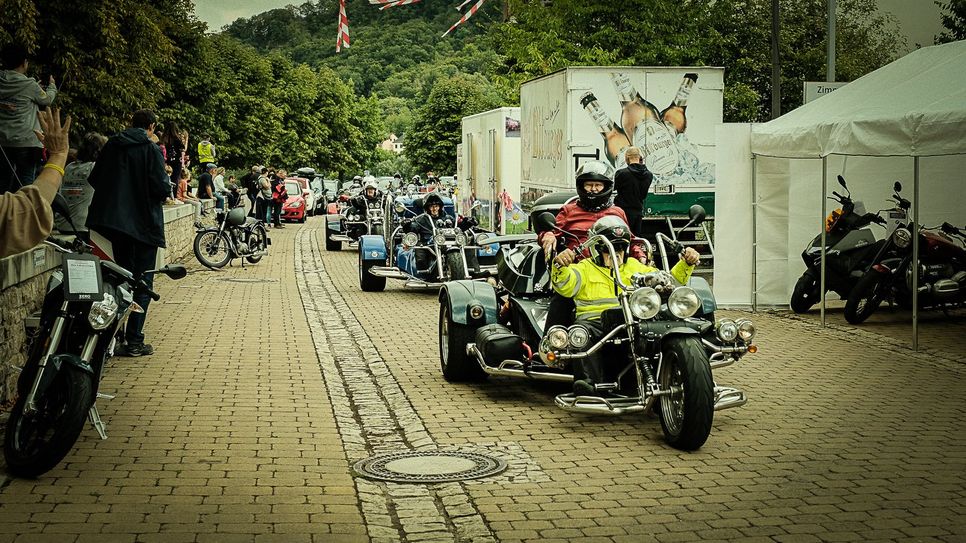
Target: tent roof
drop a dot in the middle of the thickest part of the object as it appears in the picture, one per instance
(915, 106)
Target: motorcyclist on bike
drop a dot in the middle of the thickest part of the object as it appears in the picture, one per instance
(590, 284)
(370, 196)
(425, 225)
(595, 187)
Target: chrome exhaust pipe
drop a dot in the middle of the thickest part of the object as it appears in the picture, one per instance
(728, 397)
(514, 368)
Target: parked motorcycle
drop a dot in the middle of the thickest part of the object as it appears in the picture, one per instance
(942, 270)
(850, 246)
(87, 303)
(235, 236)
(661, 344)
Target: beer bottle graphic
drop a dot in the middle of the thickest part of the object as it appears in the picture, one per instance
(674, 116)
(643, 125)
(615, 141)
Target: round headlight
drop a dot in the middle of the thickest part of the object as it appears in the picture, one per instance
(902, 238)
(578, 336)
(727, 330)
(746, 330)
(683, 302)
(557, 337)
(439, 239)
(400, 207)
(410, 239)
(460, 239)
(102, 312)
(645, 303)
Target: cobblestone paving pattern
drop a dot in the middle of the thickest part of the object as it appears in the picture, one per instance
(844, 438)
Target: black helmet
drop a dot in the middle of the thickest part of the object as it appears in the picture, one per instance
(595, 170)
(432, 198)
(615, 230)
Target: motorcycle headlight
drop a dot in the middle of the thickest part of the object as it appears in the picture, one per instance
(440, 239)
(746, 330)
(902, 238)
(645, 303)
(410, 239)
(460, 239)
(727, 330)
(400, 207)
(557, 337)
(683, 302)
(102, 312)
(578, 336)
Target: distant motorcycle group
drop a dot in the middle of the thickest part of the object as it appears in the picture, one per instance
(866, 272)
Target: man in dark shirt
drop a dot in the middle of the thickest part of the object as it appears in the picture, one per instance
(206, 186)
(631, 184)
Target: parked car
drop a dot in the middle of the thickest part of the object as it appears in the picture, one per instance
(306, 190)
(294, 207)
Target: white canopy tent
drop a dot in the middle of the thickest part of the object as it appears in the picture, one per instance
(914, 107)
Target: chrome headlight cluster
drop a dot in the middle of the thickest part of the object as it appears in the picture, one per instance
(578, 336)
(102, 312)
(729, 331)
(557, 338)
(683, 302)
(645, 303)
(410, 239)
(460, 239)
(439, 239)
(902, 238)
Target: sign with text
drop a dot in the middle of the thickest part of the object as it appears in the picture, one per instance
(817, 89)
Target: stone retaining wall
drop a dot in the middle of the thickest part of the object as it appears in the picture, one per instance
(23, 280)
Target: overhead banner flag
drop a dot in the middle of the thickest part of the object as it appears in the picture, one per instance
(466, 16)
(343, 39)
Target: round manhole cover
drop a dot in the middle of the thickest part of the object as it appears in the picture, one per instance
(429, 466)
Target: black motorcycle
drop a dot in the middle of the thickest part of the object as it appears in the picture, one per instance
(850, 246)
(87, 303)
(236, 235)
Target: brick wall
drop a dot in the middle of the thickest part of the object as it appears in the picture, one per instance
(23, 282)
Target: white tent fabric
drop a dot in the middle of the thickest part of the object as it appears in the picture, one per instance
(915, 106)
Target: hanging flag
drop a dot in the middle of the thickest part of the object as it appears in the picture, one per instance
(343, 39)
(395, 3)
(466, 16)
(514, 215)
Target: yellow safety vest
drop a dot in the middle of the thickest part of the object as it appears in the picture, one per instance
(592, 286)
(206, 152)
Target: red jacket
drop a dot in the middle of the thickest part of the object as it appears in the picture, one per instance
(577, 220)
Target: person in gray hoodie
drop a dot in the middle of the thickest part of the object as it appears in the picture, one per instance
(20, 99)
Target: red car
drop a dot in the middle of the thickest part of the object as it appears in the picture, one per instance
(294, 207)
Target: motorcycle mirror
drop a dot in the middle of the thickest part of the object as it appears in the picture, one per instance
(842, 182)
(897, 187)
(545, 221)
(697, 215)
(174, 271)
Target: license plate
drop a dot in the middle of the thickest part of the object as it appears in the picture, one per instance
(664, 189)
(900, 215)
(82, 278)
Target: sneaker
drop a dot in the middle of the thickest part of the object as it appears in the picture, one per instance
(143, 349)
(584, 388)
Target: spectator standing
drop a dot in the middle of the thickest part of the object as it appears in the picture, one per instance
(631, 184)
(76, 189)
(175, 142)
(206, 150)
(279, 195)
(263, 198)
(129, 187)
(249, 182)
(20, 100)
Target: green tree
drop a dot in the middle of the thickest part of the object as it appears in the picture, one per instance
(954, 20)
(437, 129)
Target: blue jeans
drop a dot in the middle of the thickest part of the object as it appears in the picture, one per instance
(21, 163)
(219, 201)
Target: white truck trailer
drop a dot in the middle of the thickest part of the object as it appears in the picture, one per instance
(582, 113)
(489, 164)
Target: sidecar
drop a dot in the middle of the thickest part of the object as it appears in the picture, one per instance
(661, 359)
(453, 253)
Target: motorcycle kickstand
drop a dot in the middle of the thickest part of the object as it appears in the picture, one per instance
(96, 421)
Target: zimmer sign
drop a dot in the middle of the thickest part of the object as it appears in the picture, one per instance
(817, 89)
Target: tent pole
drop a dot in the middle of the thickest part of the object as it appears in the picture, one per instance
(915, 254)
(822, 223)
(754, 233)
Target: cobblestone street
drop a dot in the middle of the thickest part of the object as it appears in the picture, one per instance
(269, 382)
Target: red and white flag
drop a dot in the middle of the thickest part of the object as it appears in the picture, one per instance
(343, 39)
(395, 3)
(465, 16)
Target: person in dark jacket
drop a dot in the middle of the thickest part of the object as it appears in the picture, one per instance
(632, 184)
(425, 225)
(130, 186)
